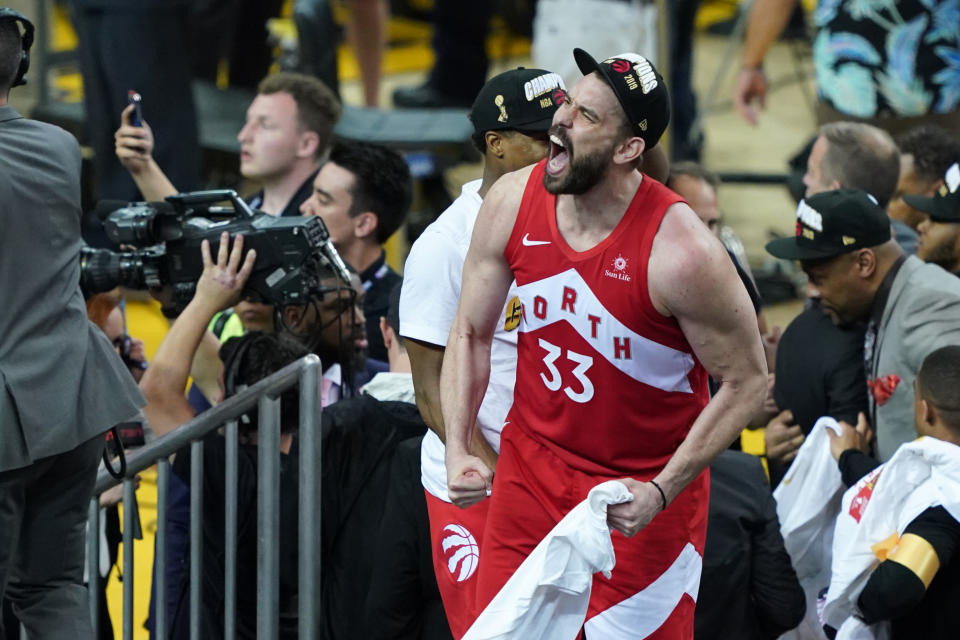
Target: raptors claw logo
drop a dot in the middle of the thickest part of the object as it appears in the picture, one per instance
(462, 563)
(621, 66)
(559, 96)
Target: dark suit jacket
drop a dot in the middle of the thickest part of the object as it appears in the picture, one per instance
(748, 589)
(61, 382)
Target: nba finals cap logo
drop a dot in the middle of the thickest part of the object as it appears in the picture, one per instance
(809, 221)
(461, 552)
(637, 72)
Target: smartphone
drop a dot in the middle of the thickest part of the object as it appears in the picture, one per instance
(134, 98)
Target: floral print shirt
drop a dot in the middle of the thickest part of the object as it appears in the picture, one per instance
(881, 58)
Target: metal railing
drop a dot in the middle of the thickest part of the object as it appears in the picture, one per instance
(264, 395)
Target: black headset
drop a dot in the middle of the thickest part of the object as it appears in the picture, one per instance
(26, 41)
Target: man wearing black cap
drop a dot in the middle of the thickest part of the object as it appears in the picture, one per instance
(510, 115)
(859, 274)
(627, 302)
(940, 228)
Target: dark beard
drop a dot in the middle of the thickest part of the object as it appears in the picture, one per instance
(944, 253)
(583, 174)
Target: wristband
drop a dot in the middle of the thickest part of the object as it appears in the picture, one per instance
(663, 497)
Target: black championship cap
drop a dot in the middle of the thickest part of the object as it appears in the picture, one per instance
(945, 206)
(832, 223)
(519, 99)
(639, 88)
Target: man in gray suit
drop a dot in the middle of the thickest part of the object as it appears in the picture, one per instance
(860, 274)
(61, 383)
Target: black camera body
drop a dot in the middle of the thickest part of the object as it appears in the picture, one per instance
(293, 253)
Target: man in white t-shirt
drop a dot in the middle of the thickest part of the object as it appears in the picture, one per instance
(510, 116)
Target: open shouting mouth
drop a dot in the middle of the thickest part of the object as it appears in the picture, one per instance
(559, 155)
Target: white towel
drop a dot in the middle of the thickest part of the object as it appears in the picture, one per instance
(547, 596)
(921, 474)
(808, 501)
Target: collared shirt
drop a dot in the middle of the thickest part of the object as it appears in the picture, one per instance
(331, 385)
(378, 280)
(293, 207)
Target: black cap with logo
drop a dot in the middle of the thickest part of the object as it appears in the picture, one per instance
(639, 88)
(832, 223)
(519, 99)
(945, 206)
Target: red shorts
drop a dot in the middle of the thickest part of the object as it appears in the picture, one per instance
(460, 531)
(654, 585)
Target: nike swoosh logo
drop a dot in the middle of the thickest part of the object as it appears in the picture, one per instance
(527, 242)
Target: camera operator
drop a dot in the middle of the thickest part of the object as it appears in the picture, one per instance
(54, 367)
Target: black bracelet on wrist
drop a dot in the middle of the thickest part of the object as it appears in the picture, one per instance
(663, 497)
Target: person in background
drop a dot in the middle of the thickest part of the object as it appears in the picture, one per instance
(917, 586)
(926, 153)
(887, 64)
(748, 589)
(819, 365)
(859, 274)
(288, 133)
(940, 227)
(363, 194)
(63, 385)
(510, 129)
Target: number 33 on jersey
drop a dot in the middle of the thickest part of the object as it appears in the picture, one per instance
(601, 374)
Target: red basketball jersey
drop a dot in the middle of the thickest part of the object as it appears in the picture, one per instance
(603, 379)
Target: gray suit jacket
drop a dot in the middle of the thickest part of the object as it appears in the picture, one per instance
(922, 315)
(61, 382)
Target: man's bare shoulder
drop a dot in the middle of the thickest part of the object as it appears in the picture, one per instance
(502, 202)
(509, 188)
(686, 260)
(683, 236)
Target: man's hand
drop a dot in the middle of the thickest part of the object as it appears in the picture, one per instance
(468, 479)
(133, 145)
(751, 87)
(221, 284)
(858, 437)
(629, 517)
(783, 438)
(138, 354)
(114, 495)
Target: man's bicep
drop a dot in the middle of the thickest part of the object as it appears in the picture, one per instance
(717, 318)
